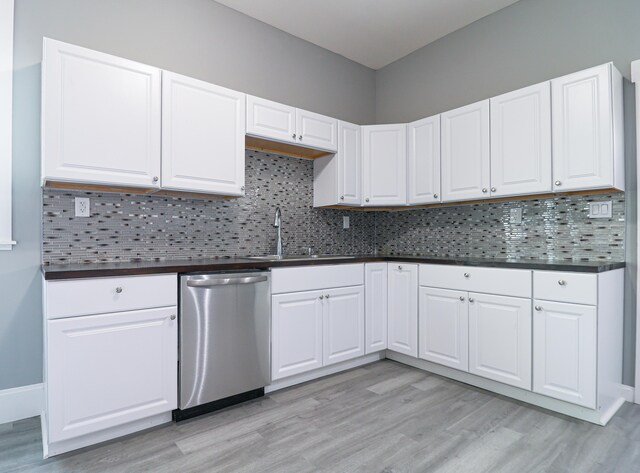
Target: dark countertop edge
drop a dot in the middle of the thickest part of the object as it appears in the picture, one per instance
(97, 270)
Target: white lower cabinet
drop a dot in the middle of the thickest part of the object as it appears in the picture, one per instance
(564, 347)
(444, 327)
(343, 324)
(98, 375)
(500, 338)
(296, 333)
(375, 276)
(402, 324)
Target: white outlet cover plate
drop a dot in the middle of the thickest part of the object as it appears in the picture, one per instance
(515, 216)
(600, 209)
(83, 207)
(345, 222)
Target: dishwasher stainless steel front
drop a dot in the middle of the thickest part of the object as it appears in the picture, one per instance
(225, 333)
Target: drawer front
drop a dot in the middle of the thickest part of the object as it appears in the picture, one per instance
(77, 297)
(578, 288)
(311, 278)
(507, 282)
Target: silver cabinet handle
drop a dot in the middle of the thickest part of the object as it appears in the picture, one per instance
(242, 188)
(173, 317)
(155, 179)
(205, 283)
(294, 136)
(471, 299)
(562, 282)
(538, 308)
(484, 190)
(399, 268)
(341, 197)
(493, 189)
(367, 199)
(435, 196)
(321, 297)
(327, 296)
(558, 183)
(118, 290)
(467, 275)
(300, 137)
(461, 298)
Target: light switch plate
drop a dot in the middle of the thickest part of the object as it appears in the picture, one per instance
(345, 222)
(515, 216)
(600, 209)
(83, 207)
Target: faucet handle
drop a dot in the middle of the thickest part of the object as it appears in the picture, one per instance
(310, 251)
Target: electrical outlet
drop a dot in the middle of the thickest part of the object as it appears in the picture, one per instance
(600, 209)
(83, 207)
(515, 216)
(345, 222)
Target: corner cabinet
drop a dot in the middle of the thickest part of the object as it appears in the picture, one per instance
(384, 163)
(203, 127)
(337, 179)
(521, 142)
(100, 118)
(423, 161)
(376, 309)
(588, 140)
(465, 153)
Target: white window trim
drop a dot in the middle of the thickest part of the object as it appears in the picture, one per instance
(6, 93)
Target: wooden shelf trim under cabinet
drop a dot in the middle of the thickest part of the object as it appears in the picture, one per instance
(480, 201)
(287, 149)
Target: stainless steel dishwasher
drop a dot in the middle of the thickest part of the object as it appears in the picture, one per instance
(225, 324)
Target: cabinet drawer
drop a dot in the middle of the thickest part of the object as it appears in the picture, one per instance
(508, 282)
(76, 297)
(311, 278)
(578, 288)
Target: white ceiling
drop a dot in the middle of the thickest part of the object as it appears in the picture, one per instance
(371, 32)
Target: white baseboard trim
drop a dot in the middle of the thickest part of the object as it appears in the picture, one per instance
(627, 392)
(325, 371)
(21, 403)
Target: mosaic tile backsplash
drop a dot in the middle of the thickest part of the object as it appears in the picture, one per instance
(132, 227)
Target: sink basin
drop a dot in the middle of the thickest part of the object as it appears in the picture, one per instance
(297, 258)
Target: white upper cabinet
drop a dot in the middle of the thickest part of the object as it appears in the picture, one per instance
(337, 179)
(402, 325)
(100, 118)
(500, 338)
(588, 141)
(465, 153)
(521, 142)
(316, 131)
(423, 161)
(271, 120)
(384, 162)
(203, 128)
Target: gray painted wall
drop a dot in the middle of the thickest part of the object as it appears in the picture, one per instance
(525, 43)
(199, 38)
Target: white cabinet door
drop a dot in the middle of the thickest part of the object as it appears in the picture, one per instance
(203, 128)
(296, 333)
(444, 326)
(423, 163)
(271, 120)
(110, 369)
(521, 141)
(465, 153)
(375, 276)
(403, 308)
(349, 158)
(500, 338)
(343, 326)
(384, 162)
(582, 108)
(316, 131)
(100, 118)
(564, 352)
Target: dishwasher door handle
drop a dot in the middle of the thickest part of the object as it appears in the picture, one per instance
(205, 283)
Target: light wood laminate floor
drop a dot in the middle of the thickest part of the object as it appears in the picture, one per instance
(380, 418)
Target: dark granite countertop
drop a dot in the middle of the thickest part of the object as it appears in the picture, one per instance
(93, 270)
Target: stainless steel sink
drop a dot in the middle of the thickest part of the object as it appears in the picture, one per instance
(297, 257)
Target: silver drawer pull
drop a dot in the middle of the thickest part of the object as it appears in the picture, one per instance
(538, 308)
(562, 282)
(321, 297)
(118, 290)
(471, 299)
(467, 275)
(205, 283)
(399, 268)
(461, 298)
(173, 317)
(327, 296)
